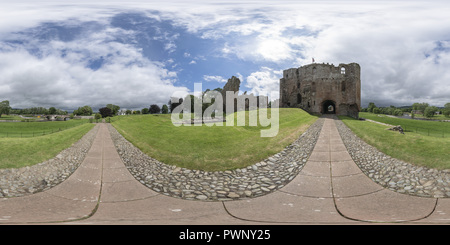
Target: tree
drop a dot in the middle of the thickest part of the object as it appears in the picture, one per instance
(164, 109)
(371, 107)
(446, 110)
(376, 110)
(114, 108)
(83, 111)
(105, 112)
(430, 111)
(398, 112)
(98, 116)
(144, 111)
(4, 107)
(173, 105)
(154, 109)
(52, 110)
(420, 107)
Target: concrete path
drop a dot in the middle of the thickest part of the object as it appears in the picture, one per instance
(329, 190)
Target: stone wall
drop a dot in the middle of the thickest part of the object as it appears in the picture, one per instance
(314, 87)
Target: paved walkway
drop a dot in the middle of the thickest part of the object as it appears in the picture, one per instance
(329, 190)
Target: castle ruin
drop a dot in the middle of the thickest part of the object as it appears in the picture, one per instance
(323, 89)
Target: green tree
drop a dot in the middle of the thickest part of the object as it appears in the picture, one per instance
(144, 111)
(430, 111)
(376, 110)
(105, 112)
(154, 109)
(4, 107)
(114, 108)
(83, 111)
(398, 112)
(420, 107)
(98, 116)
(371, 107)
(52, 110)
(165, 109)
(446, 110)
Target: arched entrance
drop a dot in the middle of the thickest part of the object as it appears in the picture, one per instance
(328, 107)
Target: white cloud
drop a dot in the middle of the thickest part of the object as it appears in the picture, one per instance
(264, 82)
(125, 78)
(394, 42)
(219, 79)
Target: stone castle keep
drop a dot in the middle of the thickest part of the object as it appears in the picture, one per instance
(323, 89)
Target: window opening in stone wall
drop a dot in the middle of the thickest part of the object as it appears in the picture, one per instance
(343, 86)
(298, 85)
(299, 98)
(342, 70)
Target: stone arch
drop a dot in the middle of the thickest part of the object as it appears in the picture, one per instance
(328, 107)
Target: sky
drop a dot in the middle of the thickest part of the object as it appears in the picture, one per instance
(68, 54)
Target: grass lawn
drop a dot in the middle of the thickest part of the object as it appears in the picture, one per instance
(21, 152)
(30, 129)
(210, 148)
(425, 127)
(10, 117)
(414, 148)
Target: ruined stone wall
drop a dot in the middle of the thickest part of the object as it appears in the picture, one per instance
(316, 86)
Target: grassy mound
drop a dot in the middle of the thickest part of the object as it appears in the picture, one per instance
(211, 148)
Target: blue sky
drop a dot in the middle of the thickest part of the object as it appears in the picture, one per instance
(69, 54)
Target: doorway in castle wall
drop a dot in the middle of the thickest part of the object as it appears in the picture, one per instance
(328, 107)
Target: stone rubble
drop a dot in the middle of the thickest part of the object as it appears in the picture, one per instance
(258, 179)
(16, 182)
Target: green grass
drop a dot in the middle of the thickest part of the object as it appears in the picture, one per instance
(411, 147)
(21, 152)
(210, 148)
(424, 127)
(10, 117)
(32, 129)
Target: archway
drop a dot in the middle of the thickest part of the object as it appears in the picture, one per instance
(328, 107)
